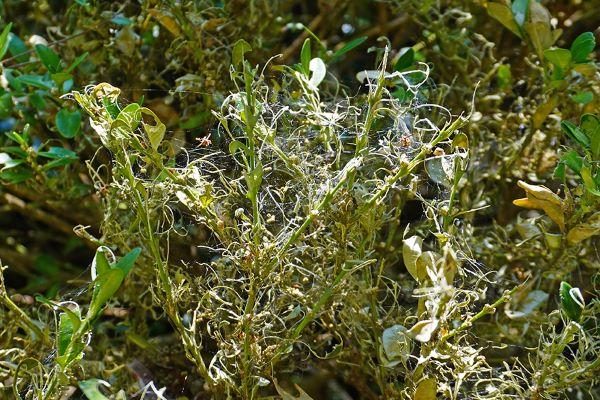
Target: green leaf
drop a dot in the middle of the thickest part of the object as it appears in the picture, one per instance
(16, 176)
(61, 77)
(254, 180)
(349, 46)
(105, 286)
(17, 138)
(504, 15)
(588, 180)
(558, 57)
(122, 20)
(131, 116)
(582, 46)
(305, 56)
(4, 40)
(583, 97)
(559, 172)
(236, 145)
(37, 81)
(126, 263)
(239, 49)
(575, 133)
(572, 160)
(17, 48)
(48, 57)
(58, 163)
(58, 152)
(520, 10)
(68, 123)
(69, 323)
(90, 389)
(590, 124)
(111, 107)
(77, 61)
(405, 60)
(6, 105)
(504, 76)
(571, 301)
(108, 281)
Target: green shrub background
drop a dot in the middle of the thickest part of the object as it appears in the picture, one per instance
(295, 199)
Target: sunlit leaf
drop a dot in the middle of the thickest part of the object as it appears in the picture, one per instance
(349, 46)
(305, 56)
(318, 69)
(4, 40)
(423, 330)
(426, 390)
(559, 57)
(90, 388)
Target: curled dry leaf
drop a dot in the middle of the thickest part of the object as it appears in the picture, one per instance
(423, 330)
(584, 230)
(411, 251)
(542, 198)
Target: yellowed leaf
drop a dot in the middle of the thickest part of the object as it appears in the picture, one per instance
(426, 390)
(542, 112)
(167, 21)
(411, 251)
(585, 230)
(542, 198)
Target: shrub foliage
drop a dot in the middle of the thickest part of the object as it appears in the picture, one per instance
(335, 200)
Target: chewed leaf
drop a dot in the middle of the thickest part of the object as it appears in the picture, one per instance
(156, 131)
(108, 282)
(440, 169)
(239, 49)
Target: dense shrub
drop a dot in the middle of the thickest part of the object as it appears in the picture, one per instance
(299, 200)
